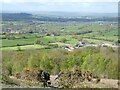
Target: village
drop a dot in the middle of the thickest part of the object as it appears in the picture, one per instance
(83, 44)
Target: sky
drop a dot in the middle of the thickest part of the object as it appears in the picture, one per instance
(89, 6)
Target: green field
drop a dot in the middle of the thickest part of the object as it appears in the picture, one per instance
(26, 47)
(71, 31)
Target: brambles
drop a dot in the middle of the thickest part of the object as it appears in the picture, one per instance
(29, 74)
(75, 79)
(7, 80)
(34, 75)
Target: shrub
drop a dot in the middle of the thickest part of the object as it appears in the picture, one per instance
(53, 45)
(63, 40)
(19, 48)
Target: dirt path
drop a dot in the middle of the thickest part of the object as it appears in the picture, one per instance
(105, 83)
(53, 81)
(110, 82)
(52, 77)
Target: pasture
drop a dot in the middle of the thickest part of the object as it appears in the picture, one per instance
(26, 47)
(65, 33)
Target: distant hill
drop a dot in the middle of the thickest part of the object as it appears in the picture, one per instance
(48, 17)
(16, 16)
(77, 14)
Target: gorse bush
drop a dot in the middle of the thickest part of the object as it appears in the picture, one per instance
(101, 61)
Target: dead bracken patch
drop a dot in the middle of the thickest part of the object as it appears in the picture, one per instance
(75, 79)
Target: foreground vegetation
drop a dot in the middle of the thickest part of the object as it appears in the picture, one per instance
(100, 61)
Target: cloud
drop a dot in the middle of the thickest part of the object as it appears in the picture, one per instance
(61, 5)
(60, 1)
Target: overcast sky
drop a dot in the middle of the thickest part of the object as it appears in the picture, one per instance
(96, 6)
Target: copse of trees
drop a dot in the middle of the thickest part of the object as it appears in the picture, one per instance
(100, 61)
